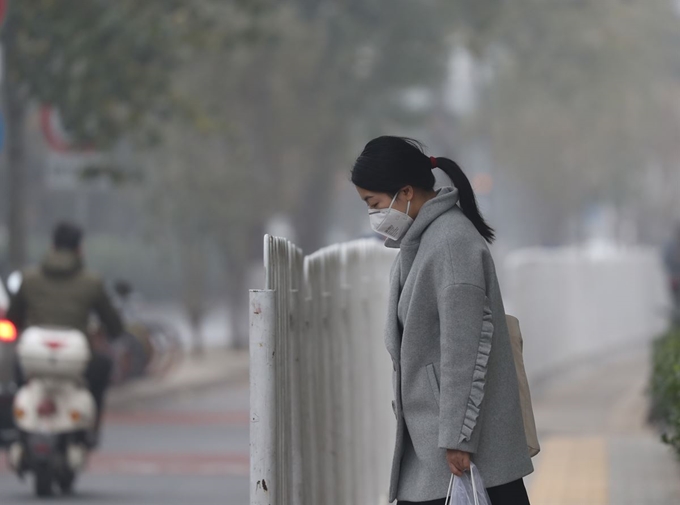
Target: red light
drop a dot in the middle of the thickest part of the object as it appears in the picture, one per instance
(54, 344)
(8, 332)
(47, 408)
(41, 448)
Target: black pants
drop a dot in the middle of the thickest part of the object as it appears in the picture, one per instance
(97, 375)
(512, 493)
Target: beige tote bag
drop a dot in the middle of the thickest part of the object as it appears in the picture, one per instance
(524, 394)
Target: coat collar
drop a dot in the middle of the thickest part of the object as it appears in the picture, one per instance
(446, 199)
(62, 263)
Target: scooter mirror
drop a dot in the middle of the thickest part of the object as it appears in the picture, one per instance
(14, 282)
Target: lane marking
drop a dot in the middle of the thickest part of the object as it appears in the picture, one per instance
(234, 464)
(170, 464)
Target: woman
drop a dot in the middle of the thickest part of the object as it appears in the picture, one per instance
(455, 384)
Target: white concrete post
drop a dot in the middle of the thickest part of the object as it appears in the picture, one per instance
(263, 442)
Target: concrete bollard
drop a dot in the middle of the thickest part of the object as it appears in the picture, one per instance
(263, 454)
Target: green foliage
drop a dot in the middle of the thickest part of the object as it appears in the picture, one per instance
(278, 118)
(282, 115)
(106, 65)
(665, 386)
(109, 67)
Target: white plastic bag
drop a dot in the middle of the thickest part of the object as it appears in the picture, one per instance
(468, 489)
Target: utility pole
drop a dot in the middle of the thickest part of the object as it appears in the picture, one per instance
(14, 109)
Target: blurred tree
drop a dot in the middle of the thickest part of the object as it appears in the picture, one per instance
(336, 75)
(583, 98)
(106, 66)
(278, 119)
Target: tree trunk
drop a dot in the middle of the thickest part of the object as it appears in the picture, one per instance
(193, 287)
(237, 300)
(311, 218)
(238, 262)
(15, 107)
(16, 185)
(197, 341)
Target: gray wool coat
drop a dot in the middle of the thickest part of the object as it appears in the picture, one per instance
(455, 384)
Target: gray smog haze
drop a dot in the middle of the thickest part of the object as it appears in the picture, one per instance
(178, 133)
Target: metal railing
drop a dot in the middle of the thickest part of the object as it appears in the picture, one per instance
(322, 429)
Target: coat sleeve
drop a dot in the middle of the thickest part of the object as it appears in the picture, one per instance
(107, 313)
(466, 331)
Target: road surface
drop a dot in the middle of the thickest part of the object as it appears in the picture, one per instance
(186, 450)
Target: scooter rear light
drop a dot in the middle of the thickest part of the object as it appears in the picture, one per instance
(41, 448)
(8, 332)
(47, 408)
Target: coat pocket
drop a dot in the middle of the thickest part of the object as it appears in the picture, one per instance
(434, 385)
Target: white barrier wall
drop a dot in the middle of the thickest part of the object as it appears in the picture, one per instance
(322, 426)
(574, 304)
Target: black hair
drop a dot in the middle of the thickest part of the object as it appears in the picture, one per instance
(67, 237)
(388, 164)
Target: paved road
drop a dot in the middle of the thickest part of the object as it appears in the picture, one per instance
(193, 450)
(187, 450)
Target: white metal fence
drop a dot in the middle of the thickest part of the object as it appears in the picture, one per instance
(322, 429)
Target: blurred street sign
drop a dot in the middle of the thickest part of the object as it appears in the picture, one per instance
(65, 165)
(3, 11)
(56, 136)
(53, 131)
(65, 170)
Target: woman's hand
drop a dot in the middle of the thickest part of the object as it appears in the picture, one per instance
(459, 461)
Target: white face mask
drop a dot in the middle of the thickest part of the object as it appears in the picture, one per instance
(389, 222)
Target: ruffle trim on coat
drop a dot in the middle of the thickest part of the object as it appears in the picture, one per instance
(479, 376)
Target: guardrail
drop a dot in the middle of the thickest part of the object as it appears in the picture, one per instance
(322, 429)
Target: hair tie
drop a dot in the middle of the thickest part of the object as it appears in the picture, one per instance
(433, 161)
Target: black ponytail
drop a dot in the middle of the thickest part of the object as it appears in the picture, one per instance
(467, 199)
(387, 164)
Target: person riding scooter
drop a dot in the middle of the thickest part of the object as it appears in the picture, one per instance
(62, 293)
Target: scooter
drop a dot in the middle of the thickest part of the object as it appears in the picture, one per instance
(54, 412)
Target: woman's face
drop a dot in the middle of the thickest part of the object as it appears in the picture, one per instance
(376, 200)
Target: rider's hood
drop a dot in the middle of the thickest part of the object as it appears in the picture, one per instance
(58, 262)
